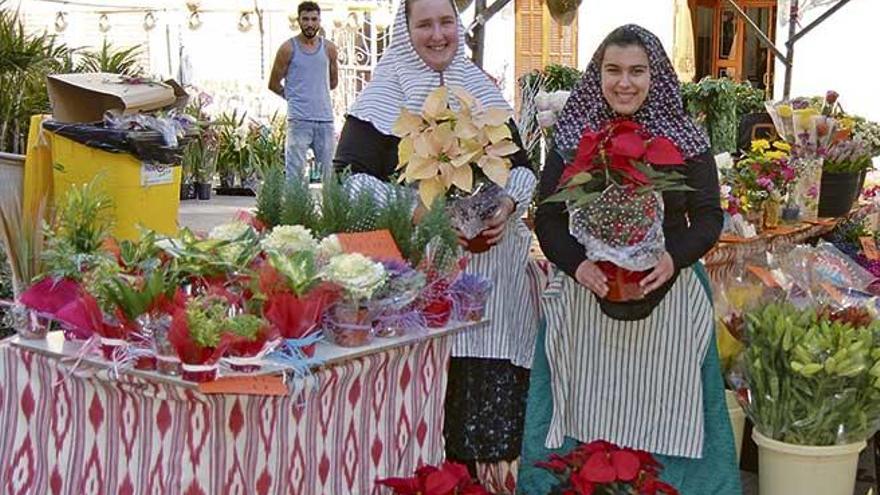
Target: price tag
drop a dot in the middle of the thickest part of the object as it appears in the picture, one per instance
(378, 244)
(245, 385)
(870, 247)
(155, 175)
(764, 275)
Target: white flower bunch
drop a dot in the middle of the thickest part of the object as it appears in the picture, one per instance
(868, 132)
(549, 105)
(289, 239)
(228, 231)
(329, 247)
(357, 274)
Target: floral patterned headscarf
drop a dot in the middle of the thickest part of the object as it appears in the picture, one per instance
(662, 113)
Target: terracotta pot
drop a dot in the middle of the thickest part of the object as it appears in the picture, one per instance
(623, 284)
(478, 244)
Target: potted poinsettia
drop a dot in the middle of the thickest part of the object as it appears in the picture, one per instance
(462, 154)
(602, 467)
(448, 479)
(611, 186)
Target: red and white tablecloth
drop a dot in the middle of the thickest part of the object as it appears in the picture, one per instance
(374, 416)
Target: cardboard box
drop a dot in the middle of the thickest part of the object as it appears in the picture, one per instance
(85, 97)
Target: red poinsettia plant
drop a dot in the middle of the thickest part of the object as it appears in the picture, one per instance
(448, 479)
(602, 468)
(622, 153)
(611, 186)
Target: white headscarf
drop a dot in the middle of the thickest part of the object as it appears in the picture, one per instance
(403, 79)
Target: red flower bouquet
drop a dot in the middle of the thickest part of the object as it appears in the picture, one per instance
(612, 190)
(602, 468)
(449, 479)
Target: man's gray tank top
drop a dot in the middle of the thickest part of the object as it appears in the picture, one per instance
(307, 84)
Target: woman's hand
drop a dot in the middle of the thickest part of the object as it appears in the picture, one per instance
(590, 276)
(659, 275)
(494, 230)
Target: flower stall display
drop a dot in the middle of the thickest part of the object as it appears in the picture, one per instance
(462, 154)
(612, 189)
(601, 467)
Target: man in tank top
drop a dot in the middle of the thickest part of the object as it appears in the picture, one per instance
(307, 65)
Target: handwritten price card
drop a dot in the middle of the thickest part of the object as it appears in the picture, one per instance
(377, 244)
(245, 385)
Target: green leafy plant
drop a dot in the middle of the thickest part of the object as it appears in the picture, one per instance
(435, 229)
(266, 143)
(813, 375)
(718, 104)
(396, 217)
(82, 223)
(107, 58)
(343, 212)
(22, 238)
(25, 60)
(233, 152)
(300, 207)
(270, 201)
(560, 77)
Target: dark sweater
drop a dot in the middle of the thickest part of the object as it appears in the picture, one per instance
(692, 220)
(365, 150)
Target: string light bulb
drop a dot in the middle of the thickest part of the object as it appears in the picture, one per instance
(244, 22)
(149, 21)
(194, 21)
(60, 21)
(103, 23)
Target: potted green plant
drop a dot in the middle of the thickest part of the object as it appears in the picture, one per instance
(845, 162)
(813, 393)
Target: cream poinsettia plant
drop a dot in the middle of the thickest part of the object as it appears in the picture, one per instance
(441, 148)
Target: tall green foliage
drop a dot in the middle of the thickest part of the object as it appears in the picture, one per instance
(270, 202)
(718, 105)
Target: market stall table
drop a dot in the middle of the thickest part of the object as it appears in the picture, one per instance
(366, 413)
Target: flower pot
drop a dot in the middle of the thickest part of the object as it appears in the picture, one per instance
(145, 362)
(787, 469)
(199, 373)
(203, 190)
(27, 324)
(772, 214)
(755, 216)
(349, 326)
(168, 365)
(438, 312)
(109, 347)
(737, 420)
(478, 244)
(187, 190)
(240, 364)
(837, 193)
(623, 284)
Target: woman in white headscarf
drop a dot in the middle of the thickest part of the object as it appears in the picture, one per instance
(488, 374)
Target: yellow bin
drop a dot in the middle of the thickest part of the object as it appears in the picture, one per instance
(142, 195)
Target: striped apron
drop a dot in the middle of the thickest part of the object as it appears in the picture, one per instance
(636, 384)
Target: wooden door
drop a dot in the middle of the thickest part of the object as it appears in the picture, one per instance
(540, 40)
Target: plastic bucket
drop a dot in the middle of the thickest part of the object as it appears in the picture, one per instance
(737, 420)
(788, 469)
(837, 193)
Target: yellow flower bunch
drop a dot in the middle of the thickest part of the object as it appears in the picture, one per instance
(775, 151)
(439, 147)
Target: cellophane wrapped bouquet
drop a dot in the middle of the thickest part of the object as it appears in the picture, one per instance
(612, 187)
(456, 148)
(810, 371)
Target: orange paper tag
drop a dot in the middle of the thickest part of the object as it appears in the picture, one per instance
(378, 244)
(870, 247)
(246, 385)
(763, 274)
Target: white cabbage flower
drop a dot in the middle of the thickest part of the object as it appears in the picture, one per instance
(228, 231)
(358, 275)
(329, 247)
(289, 239)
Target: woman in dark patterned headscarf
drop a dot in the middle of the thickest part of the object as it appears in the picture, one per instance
(653, 382)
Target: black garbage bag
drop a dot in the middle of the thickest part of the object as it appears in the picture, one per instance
(146, 145)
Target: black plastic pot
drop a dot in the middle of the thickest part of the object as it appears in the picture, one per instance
(203, 190)
(187, 190)
(837, 193)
